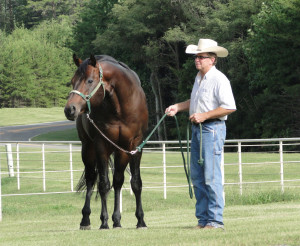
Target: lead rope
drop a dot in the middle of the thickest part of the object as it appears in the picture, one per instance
(186, 165)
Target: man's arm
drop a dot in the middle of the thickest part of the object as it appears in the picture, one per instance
(178, 107)
(213, 114)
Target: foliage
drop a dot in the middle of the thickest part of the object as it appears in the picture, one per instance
(92, 21)
(151, 36)
(273, 50)
(34, 64)
(47, 10)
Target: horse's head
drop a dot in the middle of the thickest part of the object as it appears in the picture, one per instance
(86, 83)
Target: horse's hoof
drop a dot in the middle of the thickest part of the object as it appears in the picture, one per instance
(142, 227)
(104, 227)
(85, 227)
(117, 227)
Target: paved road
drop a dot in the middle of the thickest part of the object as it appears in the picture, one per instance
(26, 132)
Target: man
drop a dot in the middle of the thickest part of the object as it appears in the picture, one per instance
(210, 103)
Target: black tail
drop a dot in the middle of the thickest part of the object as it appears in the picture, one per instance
(81, 186)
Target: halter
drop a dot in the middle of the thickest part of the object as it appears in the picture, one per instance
(87, 98)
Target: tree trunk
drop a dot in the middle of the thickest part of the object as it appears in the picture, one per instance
(158, 105)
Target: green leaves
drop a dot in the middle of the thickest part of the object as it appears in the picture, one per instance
(34, 67)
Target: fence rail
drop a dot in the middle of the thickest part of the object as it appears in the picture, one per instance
(240, 154)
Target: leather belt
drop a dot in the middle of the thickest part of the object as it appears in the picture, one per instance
(207, 121)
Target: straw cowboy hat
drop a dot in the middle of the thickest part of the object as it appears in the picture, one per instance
(205, 46)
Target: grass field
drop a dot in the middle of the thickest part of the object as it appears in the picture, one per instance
(261, 216)
(54, 220)
(26, 116)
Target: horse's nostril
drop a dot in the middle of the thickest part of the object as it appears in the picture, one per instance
(70, 112)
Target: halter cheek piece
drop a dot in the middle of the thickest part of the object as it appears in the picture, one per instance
(87, 98)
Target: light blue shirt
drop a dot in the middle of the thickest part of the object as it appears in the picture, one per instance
(210, 92)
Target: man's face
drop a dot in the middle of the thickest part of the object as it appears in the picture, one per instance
(203, 61)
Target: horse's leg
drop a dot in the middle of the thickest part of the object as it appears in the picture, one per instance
(136, 186)
(121, 160)
(103, 186)
(88, 157)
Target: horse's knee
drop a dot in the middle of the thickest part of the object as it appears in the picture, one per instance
(136, 184)
(103, 187)
(118, 180)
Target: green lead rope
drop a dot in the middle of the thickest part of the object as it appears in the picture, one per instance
(186, 165)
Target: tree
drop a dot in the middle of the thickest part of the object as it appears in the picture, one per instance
(41, 10)
(226, 22)
(273, 50)
(92, 20)
(135, 35)
(33, 66)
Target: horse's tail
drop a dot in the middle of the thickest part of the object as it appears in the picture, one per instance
(81, 185)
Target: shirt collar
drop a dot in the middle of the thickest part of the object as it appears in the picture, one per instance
(207, 75)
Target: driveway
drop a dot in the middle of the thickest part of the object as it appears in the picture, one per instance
(26, 132)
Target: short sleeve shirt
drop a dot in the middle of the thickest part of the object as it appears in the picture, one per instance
(210, 92)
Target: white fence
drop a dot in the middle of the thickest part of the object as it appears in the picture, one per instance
(239, 154)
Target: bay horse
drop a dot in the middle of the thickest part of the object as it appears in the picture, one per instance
(110, 109)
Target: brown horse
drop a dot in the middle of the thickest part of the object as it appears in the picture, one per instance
(110, 94)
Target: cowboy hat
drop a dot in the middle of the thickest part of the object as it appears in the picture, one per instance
(205, 46)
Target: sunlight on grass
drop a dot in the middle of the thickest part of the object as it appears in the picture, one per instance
(24, 116)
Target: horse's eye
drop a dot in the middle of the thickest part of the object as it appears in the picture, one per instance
(90, 81)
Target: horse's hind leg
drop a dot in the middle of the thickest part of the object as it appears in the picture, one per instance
(121, 160)
(88, 158)
(136, 185)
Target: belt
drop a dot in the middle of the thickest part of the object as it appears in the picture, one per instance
(207, 121)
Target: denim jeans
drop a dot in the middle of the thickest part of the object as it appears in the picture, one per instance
(207, 178)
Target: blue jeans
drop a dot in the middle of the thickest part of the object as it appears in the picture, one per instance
(207, 178)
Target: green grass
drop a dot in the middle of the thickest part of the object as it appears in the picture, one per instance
(66, 135)
(24, 116)
(54, 220)
(261, 216)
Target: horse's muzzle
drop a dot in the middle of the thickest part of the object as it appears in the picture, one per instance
(71, 112)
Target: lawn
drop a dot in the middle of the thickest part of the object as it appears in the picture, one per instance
(26, 116)
(263, 215)
(54, 220)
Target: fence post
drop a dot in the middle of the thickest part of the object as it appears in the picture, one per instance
(223, 173)
(240, 167)
(165, 171)
(44, 167)
(18, 166)
(281, 165)
(71, 167)
(10, 162)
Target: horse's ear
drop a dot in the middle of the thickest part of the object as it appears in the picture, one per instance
(77, 60)
(93, 61)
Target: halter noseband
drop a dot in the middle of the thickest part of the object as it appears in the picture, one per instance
(88, 97)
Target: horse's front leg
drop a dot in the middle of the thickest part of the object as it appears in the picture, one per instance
(85, 223)
(103, 188)
(90, 175)
(120, 162)
(136, 185)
